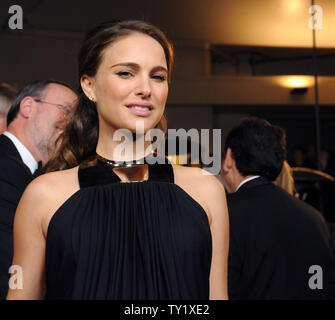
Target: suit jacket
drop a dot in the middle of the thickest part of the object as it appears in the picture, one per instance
(14, 177)
(274, 241)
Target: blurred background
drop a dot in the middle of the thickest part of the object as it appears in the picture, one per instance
(233, 59)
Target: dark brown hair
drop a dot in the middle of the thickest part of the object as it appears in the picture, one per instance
(258, 147)
(80, 138)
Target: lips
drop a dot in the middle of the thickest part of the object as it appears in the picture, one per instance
(140, 109)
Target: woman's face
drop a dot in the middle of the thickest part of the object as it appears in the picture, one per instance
(130, 85)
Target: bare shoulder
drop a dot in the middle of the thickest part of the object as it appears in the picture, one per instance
(205, 188)
(48, 192)
(53, 184)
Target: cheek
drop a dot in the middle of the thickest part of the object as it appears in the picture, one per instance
(122, 91)
(162, 94)
(59, 118)
(54, 121)
(45, 121)
(112, 90)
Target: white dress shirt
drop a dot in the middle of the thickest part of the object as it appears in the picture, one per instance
(25, 154)
(245, 181)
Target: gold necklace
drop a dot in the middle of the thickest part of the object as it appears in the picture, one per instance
(124, 170)
(125, 174)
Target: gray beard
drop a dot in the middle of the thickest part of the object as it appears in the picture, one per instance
(45, 145)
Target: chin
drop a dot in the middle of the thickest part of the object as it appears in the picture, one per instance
(145, 126)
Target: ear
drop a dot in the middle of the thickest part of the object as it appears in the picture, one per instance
(27, 106)
(229, 162)
(87, 84)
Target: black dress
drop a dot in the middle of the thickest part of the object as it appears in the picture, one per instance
(134, 240)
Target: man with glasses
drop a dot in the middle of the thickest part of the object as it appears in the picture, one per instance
(37, 117)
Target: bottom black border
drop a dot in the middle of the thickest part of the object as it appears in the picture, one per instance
(201, 310)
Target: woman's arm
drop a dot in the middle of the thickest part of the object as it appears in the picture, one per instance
(219, 224)
(27, 282)
(208, 191)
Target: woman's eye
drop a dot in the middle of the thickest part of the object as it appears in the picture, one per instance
(159, 77)
(124, 74)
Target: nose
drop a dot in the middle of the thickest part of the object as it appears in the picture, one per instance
(143, 88)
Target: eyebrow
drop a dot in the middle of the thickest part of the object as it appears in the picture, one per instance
(136, 66)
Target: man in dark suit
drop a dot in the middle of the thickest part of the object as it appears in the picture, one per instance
(280, 247)
(35, 120)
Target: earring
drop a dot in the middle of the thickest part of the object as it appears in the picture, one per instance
(91, 98)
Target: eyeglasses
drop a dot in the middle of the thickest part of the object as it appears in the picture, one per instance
(66, 110)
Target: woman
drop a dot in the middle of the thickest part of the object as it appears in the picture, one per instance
(82, 234)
